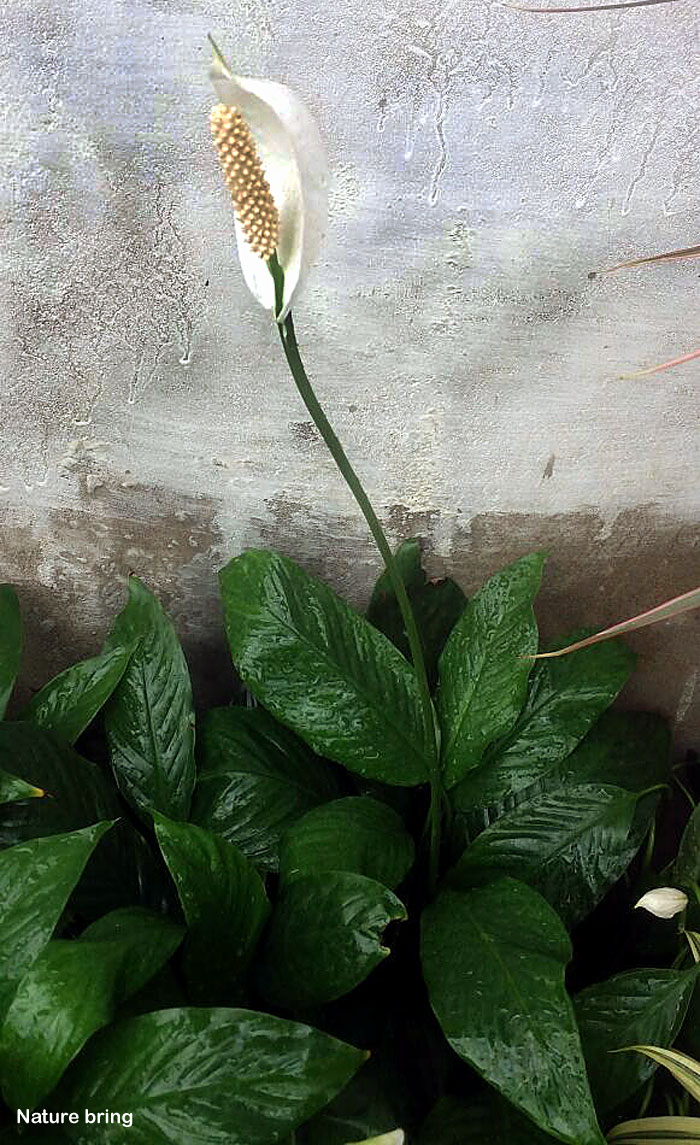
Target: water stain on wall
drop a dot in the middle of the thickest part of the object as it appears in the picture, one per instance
(305, 435)
(425, 59)
(326, 544)
(116, 296)
(71, 570)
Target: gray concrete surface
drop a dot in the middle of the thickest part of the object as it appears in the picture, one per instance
(483, 161)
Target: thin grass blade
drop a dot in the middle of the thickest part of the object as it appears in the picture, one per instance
(647, 260)
(663, 366)
(649, 1130)
(685, 1069)
(589, 7)
(683, 603)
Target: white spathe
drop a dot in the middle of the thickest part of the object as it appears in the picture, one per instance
(664, 902)
(294, 159)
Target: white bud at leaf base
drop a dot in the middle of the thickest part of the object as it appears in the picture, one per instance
(294, 163)
(663, 902)
(396, 1137)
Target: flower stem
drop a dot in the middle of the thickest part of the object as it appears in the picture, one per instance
(308, 396)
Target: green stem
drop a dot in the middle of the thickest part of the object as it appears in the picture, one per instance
(649, 849)
(296, 366)
(685, 791)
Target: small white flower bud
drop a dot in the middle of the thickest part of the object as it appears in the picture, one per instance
(664, 902)
(396, 1137)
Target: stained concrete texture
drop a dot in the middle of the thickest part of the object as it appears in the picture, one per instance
(483, 162)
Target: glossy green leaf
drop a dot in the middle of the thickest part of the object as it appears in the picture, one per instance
(36, 880)
(639, 1006)
(650, 1130)
(149, 938)
(211, 1076)
(494, 961)
(325, 937)
(76, 791)
(626, 749)
(13, 789)
(10, 643)
(256, 779)
(355, 834)
(150, 718)
(323, 670)
(484, 666)
(689, 1037)
(687, 866)
(488, 1120)
(77, 794)
(362, 1109)
(571, 844)
(564, 699)
(165, 991)
(224, 903)
(67, 704)
(71, 991)
(685, 1069)
(437, 606)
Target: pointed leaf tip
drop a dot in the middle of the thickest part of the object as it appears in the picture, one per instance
(218, 62)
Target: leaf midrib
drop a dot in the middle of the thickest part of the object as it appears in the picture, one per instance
(491, 942)
(324, 656)
(157, 758)
(502, 632)
(575, 836)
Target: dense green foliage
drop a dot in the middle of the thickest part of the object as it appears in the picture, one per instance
(223, 925)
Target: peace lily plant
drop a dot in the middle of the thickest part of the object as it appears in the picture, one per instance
(275, 167)
(385, 895)
(274, 163)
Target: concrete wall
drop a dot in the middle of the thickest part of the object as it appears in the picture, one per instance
(483, 162)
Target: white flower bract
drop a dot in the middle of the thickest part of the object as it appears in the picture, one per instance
(663, 902)
(294, 161)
